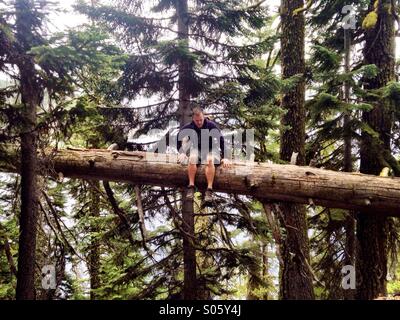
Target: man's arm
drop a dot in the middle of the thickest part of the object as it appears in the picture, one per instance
(178, 142)
(224, 161)
(213, 125)
(182, 140)
(222, 144)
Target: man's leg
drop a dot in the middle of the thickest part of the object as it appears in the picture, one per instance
(192, 169)
(210, 171)
(210, 174)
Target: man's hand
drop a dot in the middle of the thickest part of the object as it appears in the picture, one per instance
(182, 158)
(226, 163)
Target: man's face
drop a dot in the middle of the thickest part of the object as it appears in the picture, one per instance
(198, 120)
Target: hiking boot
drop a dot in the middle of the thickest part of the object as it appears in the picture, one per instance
(190, 193)
(208, 196)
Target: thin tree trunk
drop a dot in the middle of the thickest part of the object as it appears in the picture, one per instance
(189, 252)
(94, 250)
(265, 267)
(348, 164)
(30, 100)
(350, 226)
(184, 111)
(350, 249)
(139, 206)
(204, 261)
(372, 229)
(258, 270)
(9, 256)
(296, 278)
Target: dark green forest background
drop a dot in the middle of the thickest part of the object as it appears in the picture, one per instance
(310, 77)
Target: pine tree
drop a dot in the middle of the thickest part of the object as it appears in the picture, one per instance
(8, 236)
(296, 279)
(333, 125)
(27, 21)
(372, 231)
(40, 81)
(340, 116)
(190, 57)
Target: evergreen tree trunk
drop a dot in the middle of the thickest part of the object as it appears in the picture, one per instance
(350, 226)
(184, 68)
(264, 268)
(348, 165)
(296, 278)
(189, 252)
(350, 249)
(259, 270)
(30, 97)
(203, 260)
(372, 229)
(94, 251)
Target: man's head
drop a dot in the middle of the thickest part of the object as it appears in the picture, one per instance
(198, 117)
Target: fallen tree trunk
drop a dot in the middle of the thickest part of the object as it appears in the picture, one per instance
(265, 181)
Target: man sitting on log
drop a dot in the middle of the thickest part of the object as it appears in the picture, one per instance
(201, 141)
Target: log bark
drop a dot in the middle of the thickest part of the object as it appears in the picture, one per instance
(301, 184)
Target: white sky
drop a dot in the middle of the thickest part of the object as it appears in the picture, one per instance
(72, 19)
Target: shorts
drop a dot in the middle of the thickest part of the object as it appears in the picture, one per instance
(202, 158)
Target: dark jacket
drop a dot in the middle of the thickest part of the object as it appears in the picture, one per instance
(207, 125)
